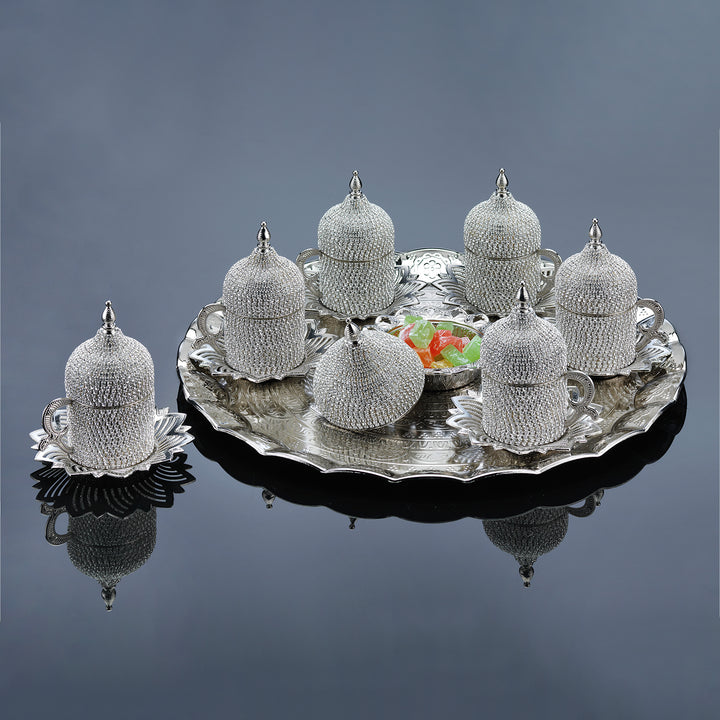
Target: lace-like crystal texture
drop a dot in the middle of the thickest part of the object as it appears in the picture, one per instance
(596, 294)
(111, 383)
(367, 379)
(356, 240)
(524, 392)
(264, 298)
(502, 243)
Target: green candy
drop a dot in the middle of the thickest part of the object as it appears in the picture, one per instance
(445, 326)
(411, 319)
(422, 333)
(472, 350)
(453, 355)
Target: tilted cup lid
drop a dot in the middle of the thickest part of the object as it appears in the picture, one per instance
(356, 230)
(367, 379)
(594, 281)
(502, 227)
(264, 284)
(109, 369)
(522, 348)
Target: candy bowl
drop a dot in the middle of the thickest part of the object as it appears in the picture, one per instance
(450, 350)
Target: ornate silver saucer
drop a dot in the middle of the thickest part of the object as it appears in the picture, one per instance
(277, 419)
(466, 418)
(407, 287)
(653, 353)
(210, 354)
(170, 437)
(451, 284)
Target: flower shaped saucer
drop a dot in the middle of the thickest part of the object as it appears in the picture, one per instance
(407, 289)
(451, 285)
(170, 436)
(210, 355)
(466, 417)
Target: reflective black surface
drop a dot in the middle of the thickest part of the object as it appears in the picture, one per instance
(141, 145)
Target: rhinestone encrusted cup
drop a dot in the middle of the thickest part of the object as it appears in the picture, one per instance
(523, 359)
(596, 294)
(264, 298)
(502, 243)
(110, 381)
(356, 243)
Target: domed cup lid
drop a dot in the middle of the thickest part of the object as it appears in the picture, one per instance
(502, 227)
(522, 348)
(595, 282)
(264, 284)
(110, 369)
(356, 230)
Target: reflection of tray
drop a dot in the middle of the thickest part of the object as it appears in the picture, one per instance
(276, 418)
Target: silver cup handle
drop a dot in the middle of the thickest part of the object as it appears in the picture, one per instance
(52, 535)
(55, 435)
(205, 335)
(301, 261)
(653, 332)
(547, 283)
(582, 404)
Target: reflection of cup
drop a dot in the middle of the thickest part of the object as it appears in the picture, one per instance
(105, 548)
(597, 305)
(110, 399)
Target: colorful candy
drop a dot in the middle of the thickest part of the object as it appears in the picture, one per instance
(422, 333)
(436, 345)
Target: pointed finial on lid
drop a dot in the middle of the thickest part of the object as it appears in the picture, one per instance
(523, 299)
(263, 237)
(352, 332)
(355, 184)
(526, 573)
(108, 318)
(595, 233)
(108, 595)
(501, 182)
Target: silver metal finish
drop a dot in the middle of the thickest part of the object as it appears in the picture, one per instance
(110, 399)
(264, 303)
(452, 286)
(211, 352)
(367, 379)
(406, 288)
(169, 437)
(524, 370)
(277, 419)
(596, 295)
(356, 247)
(502, 249)
(467, 418)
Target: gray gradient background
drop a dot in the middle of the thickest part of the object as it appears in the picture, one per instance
(142, 144)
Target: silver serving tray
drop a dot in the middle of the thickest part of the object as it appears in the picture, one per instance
(277, 418)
